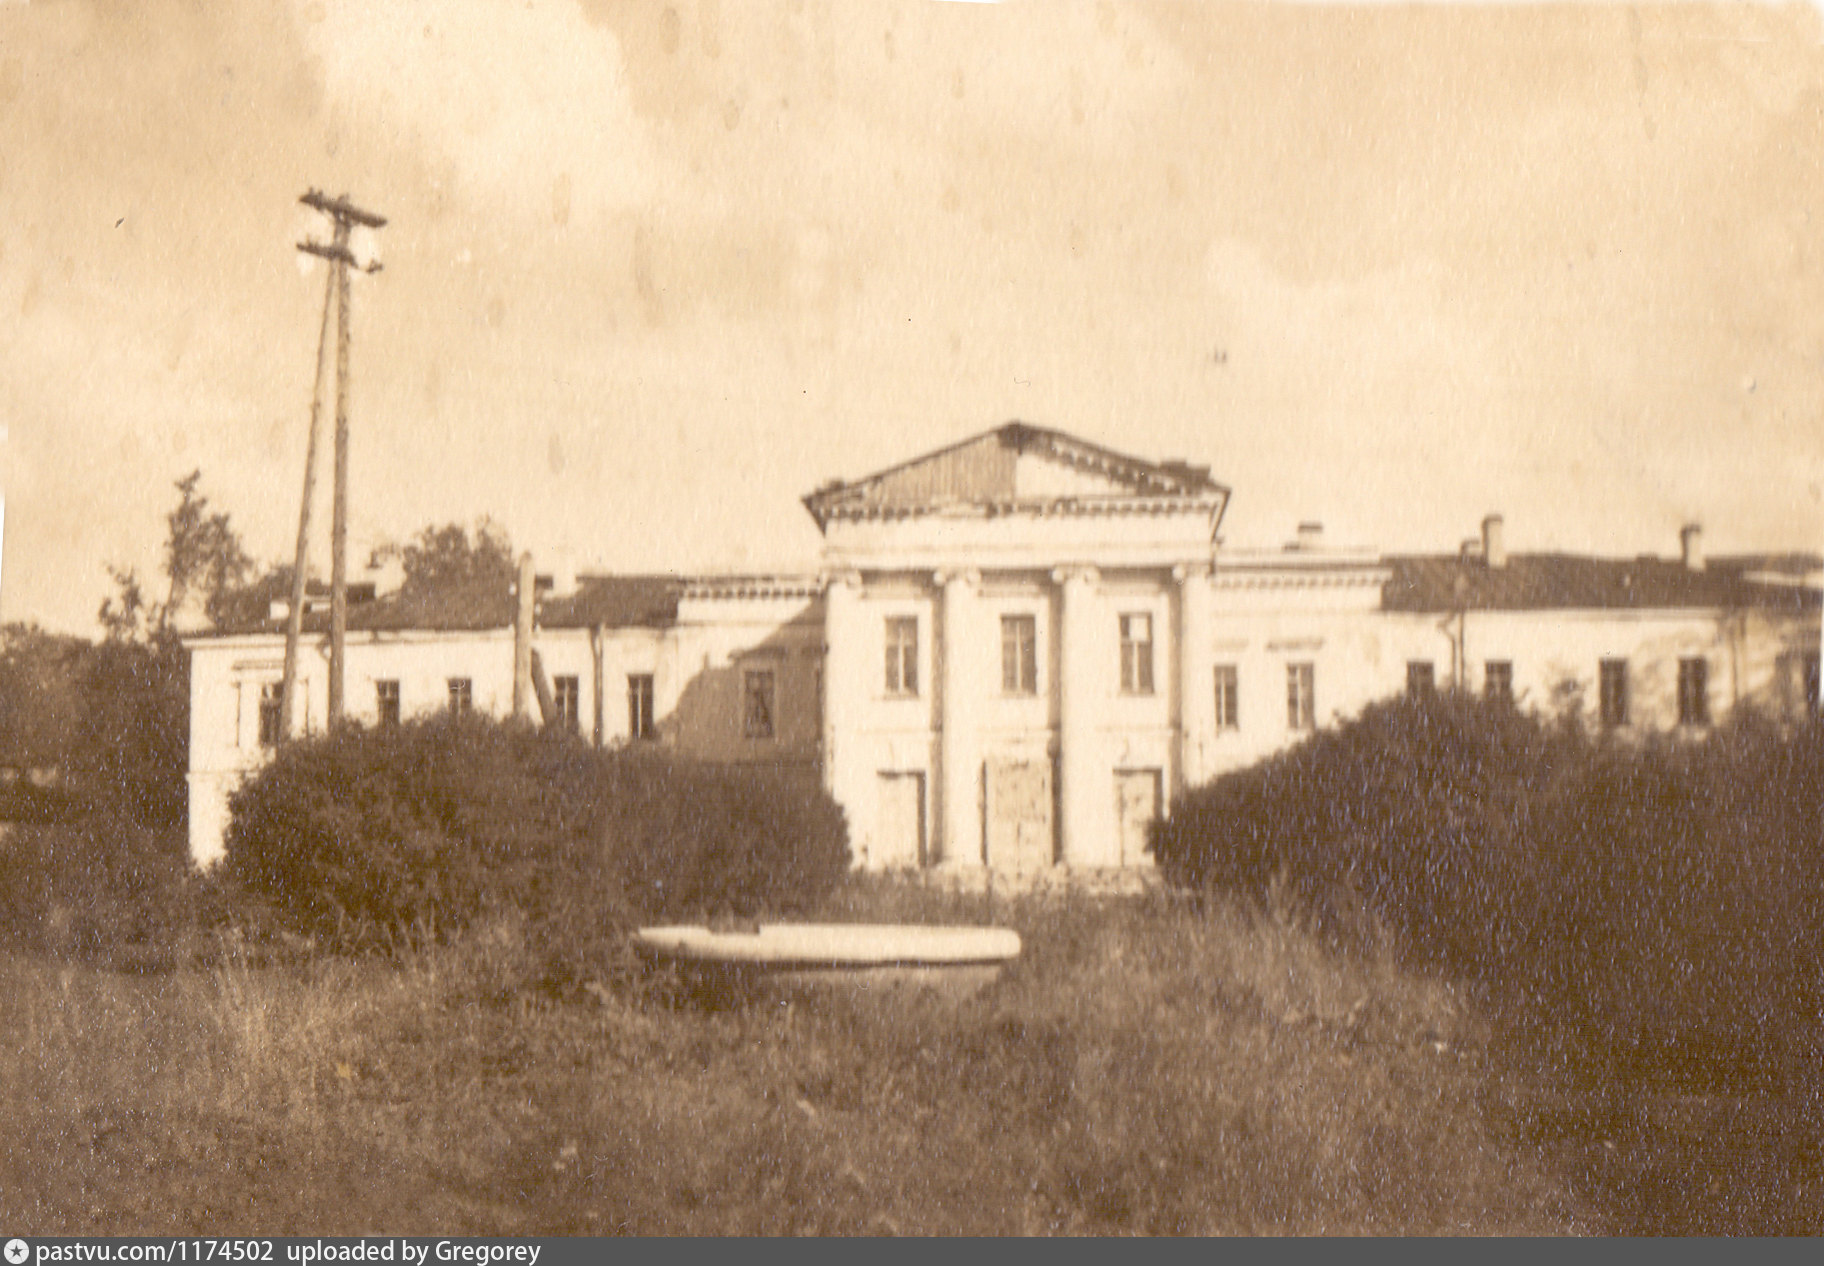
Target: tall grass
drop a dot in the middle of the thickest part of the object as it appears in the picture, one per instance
(1143, 1068)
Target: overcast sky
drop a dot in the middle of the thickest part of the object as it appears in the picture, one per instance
(655, 270)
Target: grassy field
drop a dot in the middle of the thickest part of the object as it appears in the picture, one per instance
(1144, 1068)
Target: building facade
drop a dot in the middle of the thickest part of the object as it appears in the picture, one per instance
(1020, 648)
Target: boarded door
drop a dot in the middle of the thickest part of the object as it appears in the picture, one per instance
(1020, 833)
(1136, 806)
(899, 825)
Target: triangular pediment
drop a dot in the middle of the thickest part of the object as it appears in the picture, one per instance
(1012, 466)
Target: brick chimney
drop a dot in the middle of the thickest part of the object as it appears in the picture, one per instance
(1691, 545)
(1494, 545)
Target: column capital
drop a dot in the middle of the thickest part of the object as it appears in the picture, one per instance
(848, 577)
(1201, 570)
(1081, 573)
(944, 577)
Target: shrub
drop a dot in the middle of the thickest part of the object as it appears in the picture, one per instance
(99, 888)
(440, 826)
(423, 828)
(1660, 894)
(693, 839)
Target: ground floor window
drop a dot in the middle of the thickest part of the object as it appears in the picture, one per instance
(386, 702)
(1301, 696)
(639, 706)
(1693, 692)
(1614, 686)
(270, 694)
(462, 695)
(569, 701)
(757, 703)
(1228, 697)
(1498, 680)
(1421, 679)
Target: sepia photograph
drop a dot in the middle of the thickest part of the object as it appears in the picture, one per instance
(908, 618)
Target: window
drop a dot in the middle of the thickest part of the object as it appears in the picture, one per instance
(1019, 655)
(1498, 680)
(1301, 697)
(1421, 678)
(569, 703)
(462, 695)
(1614, 689)
(270, 693)
(1811, 683)
(386, 702)
(757, 704)
(1228, 697)
(1694, 692)
(639, 706)
(1137, 654)
(902, 655)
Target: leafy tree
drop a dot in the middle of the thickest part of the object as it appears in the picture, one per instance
(453, 557)
(204, 559)
(39, 701)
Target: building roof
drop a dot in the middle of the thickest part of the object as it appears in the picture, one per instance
(606, 601)
(1019, 466)
(1535, 582)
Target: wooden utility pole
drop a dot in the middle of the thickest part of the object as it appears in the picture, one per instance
(344, 215)
(294, 618)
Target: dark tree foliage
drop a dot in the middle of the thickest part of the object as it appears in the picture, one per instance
(454, 557)
(205, 565)
(1657, 892)
(430, 827)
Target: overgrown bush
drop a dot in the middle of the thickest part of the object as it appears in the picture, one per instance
(1661, 894)
(445, 827)
(693, 839)
(420, 829)
(100, 888)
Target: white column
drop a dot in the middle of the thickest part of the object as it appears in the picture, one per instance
(960, 750)
(1196, 672)
(1086, 783)
(845, 692)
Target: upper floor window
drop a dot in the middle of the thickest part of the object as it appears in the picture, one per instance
(270, 694)
(639, 706)
(1421, 678)
(757, 703)
(1301, 696)
(1613, 685)
(462, 695)
(1019, 655)
(1137, 654)
(1694, 691)
(1498, 680)
(569, 701)
(902, 655)
(386, 702)
(1228, 697)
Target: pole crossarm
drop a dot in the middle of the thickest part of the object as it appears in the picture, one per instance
(341, 209)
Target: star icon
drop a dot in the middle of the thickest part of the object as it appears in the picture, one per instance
(16, 1252)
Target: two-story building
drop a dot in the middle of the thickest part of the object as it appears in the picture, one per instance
(1019, 648)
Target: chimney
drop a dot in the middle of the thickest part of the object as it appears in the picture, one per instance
(1310, 535)
(387, 573)
(1494, 547)
(522, 639)
(1691, 545)
(563, 573)
(1469, 548)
